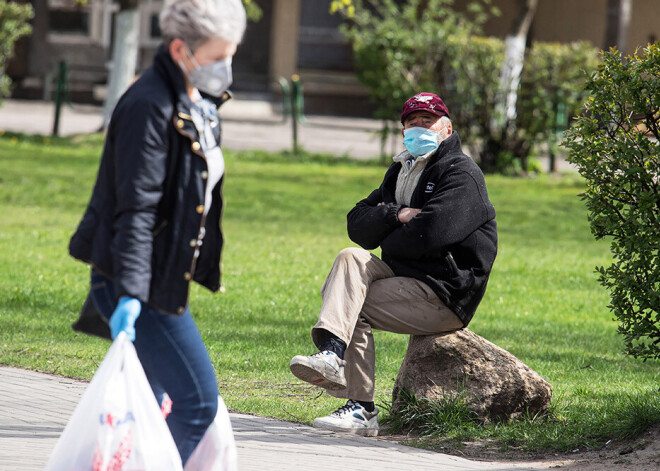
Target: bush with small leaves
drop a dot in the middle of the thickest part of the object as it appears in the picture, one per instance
(14, 18)
(402, 48)
(615, 147)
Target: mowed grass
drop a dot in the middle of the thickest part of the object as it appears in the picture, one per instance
(285, 220)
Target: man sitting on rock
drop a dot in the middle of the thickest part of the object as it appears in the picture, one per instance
(435, 225)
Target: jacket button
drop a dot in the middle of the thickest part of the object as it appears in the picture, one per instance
(179, 123)
(181, 310)
(195, 146)
(204, 174)
(187, 276)
(200, 209)
(193, 242)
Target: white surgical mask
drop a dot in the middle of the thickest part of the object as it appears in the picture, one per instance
(214, 78)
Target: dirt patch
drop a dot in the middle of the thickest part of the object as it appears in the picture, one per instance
(640, 454)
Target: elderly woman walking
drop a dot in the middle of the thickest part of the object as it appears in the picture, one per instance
(153, 222)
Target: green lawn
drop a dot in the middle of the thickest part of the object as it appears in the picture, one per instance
(284, 223)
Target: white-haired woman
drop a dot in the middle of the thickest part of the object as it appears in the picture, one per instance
(153, 222)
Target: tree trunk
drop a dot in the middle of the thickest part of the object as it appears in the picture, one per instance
(618, 21)
(124, 55)
(512, 67)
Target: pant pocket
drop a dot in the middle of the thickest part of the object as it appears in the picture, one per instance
(103, 294)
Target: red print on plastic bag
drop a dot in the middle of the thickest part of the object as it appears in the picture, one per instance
(118, 424)
(118, 459)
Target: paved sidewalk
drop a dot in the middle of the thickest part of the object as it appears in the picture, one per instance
(247, 124)
(35, 407)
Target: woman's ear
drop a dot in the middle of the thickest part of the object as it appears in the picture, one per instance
(177, 50)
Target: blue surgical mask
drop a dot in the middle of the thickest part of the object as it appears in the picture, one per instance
(214, 78)
(420, 141)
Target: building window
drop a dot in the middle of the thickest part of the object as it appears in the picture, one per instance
(154, 27)
(74, 22)
(320, 44)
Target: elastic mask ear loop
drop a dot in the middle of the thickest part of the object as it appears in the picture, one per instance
(183, 67)
(191, 56)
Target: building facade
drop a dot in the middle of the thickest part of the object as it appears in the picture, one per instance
(292, 37)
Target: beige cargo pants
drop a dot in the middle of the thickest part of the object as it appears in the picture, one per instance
(360, 293)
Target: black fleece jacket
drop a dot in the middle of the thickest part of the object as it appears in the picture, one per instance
(451, 244)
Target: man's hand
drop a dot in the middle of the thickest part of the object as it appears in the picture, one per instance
(406, 214)
(124, 317)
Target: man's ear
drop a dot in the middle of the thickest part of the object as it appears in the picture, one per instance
(177, 50)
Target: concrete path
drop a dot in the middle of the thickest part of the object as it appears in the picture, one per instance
(35, 407)
(247, 124)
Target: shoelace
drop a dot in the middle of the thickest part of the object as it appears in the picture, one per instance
(325, 353)
(349, 407)
(339, 361)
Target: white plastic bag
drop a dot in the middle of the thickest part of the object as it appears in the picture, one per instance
(217, 450)
(118, 424)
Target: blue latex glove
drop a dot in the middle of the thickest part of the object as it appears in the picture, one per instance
(124, 317)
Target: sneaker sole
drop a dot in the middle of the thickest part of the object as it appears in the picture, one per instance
(363, 432)
(312, 376)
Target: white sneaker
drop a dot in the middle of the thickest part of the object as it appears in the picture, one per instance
(324, 369)
(351, 418)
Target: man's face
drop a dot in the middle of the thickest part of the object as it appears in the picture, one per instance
(424, 119)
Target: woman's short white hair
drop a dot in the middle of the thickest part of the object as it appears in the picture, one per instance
(197, 21)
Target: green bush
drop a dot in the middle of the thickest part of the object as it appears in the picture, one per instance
(472, 77)
(253, 11)
(14, 20)
(400, 47)
(425, 45)
(551, 92)
(615, 146)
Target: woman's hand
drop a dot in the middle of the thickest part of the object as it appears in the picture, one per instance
(124, 317)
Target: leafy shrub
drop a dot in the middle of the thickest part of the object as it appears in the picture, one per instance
(615, 146)
(14, 19)
(400, 47)
(253, 11)
(472, 78)
(425, 45)
(551, 92)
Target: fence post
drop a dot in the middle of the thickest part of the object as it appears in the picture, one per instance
(60, 90)
(296, 109)
(560, 124)
(286, 98)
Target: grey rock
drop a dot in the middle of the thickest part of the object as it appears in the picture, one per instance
(496, 384)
